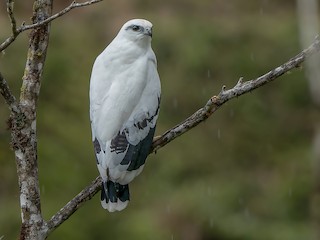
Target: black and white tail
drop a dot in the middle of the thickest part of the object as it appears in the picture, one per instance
(114, 196)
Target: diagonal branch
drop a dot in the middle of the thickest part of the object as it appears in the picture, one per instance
(73, 5)
(16, 31)
(73, 205)
(7, 95)
(213, 104)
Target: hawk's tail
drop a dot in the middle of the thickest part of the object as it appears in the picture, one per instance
(114, 196)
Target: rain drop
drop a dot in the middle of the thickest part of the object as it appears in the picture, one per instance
(247, 213)
(231, 113)
(209, 191)
(219, 133)
(252, 57)
(168, 209)
(211, 223)
(175, 103)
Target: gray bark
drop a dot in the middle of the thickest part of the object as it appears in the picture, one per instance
(24, 134)
(23, 115)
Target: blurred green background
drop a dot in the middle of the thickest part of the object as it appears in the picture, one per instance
(246, 173)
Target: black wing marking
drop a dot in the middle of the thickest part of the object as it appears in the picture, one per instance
(119, 144)
(96, 145)
(137, 154)
(97, 149)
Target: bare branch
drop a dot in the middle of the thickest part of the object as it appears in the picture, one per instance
(73, 5)
(10, 4)
(7, 42)
(16, 31)
(7, 95)
(213, 104)
(73, 205)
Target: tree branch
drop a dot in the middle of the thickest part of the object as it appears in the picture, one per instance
(73, 5)
(16, 31)
(8, 96)
(64, 213)
(10, 5)
(213, 104)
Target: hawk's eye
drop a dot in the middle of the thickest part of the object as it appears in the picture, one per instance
(135, 28)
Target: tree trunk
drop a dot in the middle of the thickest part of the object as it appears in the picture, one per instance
(24, 138)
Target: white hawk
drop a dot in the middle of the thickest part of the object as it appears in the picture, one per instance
(124, 106)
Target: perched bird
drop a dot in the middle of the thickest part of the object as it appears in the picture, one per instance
(124, 106)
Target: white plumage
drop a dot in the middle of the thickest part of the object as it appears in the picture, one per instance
(124, 106)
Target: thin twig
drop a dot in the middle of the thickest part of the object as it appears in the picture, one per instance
(199, 116)
(74, 4)
(15, 31)
(7, 95)
(10, 5)
(25, 27)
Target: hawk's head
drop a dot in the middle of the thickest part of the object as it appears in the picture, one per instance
(137, 29)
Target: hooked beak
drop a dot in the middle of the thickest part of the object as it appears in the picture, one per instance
(148, 31)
